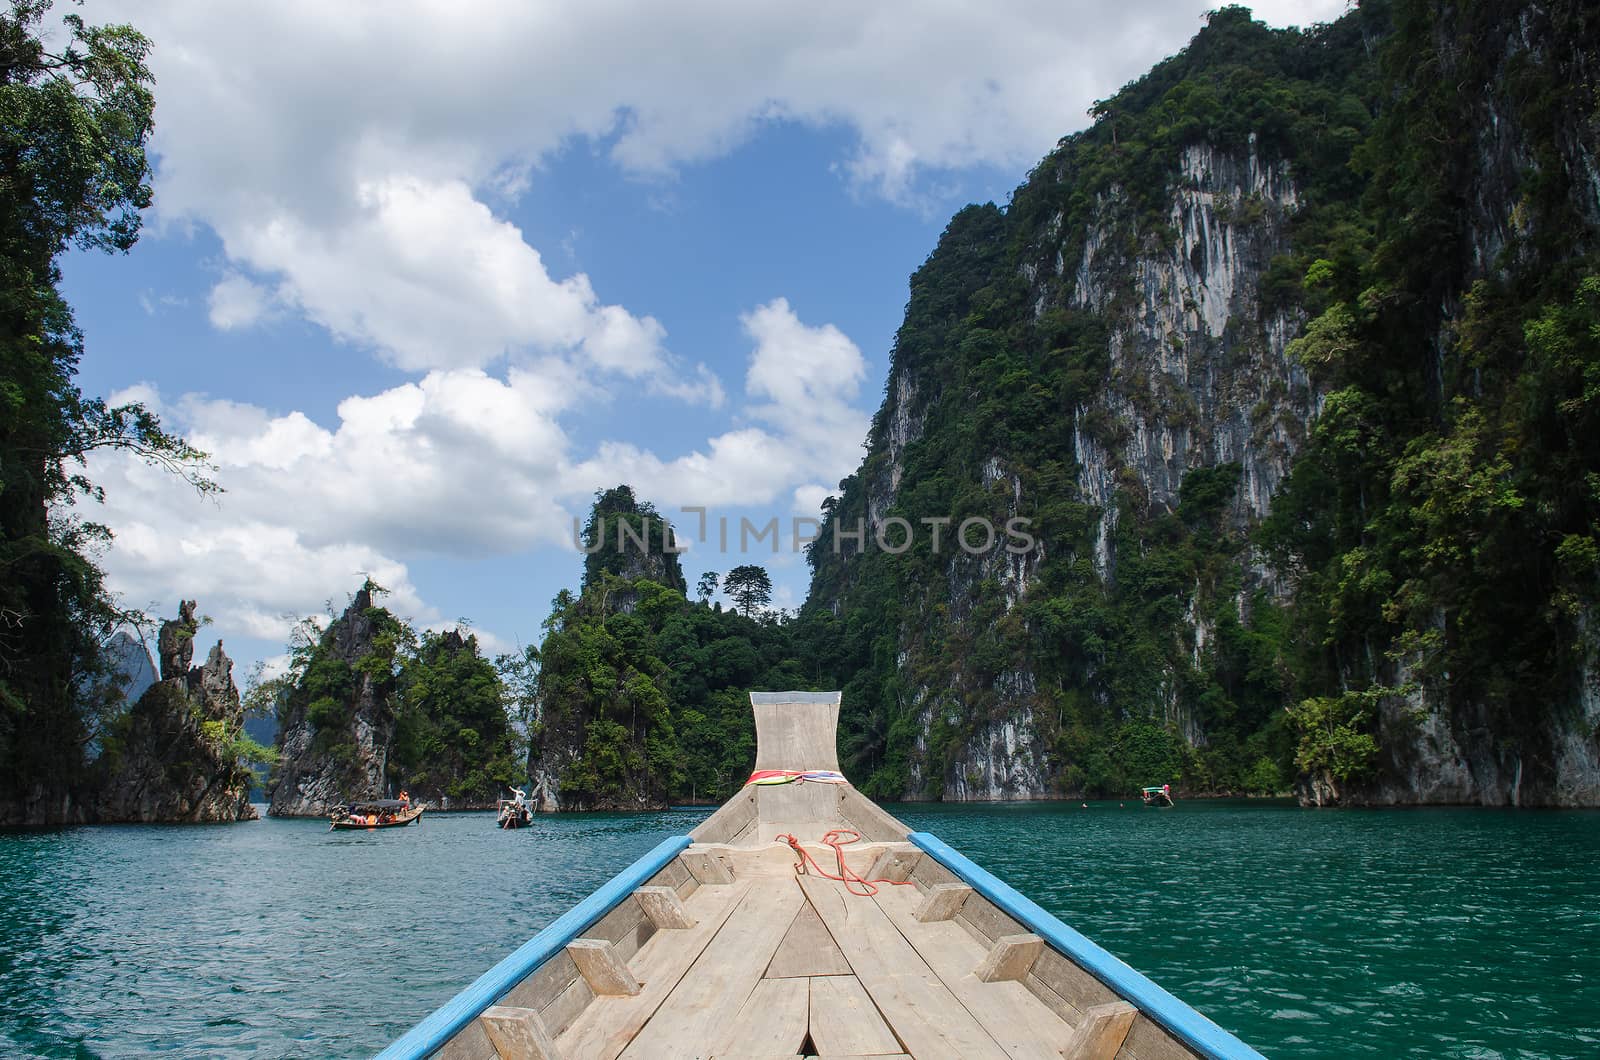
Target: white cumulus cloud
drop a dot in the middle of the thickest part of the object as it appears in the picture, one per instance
(345, 153)
(237, 302)
(460, 463)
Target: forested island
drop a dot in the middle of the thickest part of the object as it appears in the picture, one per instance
(1290, 361)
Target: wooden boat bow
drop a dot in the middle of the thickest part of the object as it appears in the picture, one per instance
(741, 939)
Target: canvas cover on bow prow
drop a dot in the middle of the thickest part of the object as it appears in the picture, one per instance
(796, 731)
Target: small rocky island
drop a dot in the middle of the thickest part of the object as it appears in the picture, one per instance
(336, 724)
(373, 706)
(175, 755)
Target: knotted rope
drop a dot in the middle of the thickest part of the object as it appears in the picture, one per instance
(847, 876)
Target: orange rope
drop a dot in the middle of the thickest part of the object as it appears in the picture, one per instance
(847, 876)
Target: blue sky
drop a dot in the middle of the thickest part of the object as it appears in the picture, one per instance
(421, 282)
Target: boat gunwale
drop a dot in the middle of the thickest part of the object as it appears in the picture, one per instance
(449, 1019)
(1176, 1016)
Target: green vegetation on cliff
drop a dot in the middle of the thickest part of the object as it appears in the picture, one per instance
(1437, 534)
(642, 694)
(370, 705)
(453, 734)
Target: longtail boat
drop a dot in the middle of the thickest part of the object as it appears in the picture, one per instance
(375, 813)
(513, 812)
(801, 919)
(1159, 795)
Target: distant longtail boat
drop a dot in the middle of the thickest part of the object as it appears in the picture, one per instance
(1160, 795)
(802, 919)
(374, 813)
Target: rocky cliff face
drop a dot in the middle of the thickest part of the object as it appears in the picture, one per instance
(1199, 371)
(603, 735)
(1198, 376)
(171, 757)
(1193, 373)
(1114, 359)
(1528, 177)
(336, 728)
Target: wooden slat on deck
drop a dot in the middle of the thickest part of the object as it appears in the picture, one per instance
(772, 1021)
(1020, 1022)
(924, 1014)
(607, 1024)
(725, 974)
(807, 950)
(844, 1021)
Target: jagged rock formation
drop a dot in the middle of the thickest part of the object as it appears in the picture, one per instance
(171, 757)
(627, 543)
(335, 730)
(176, 641)
(1137, 357)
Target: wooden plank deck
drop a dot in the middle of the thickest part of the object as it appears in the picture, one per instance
(734, 951)
(1018, 1021)
(607, 1025)
(698, 1011)
(927, 1018)
(786, 965)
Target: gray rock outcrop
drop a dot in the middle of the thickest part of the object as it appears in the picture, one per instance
(176, 641)
(171, 757)
(334, 736)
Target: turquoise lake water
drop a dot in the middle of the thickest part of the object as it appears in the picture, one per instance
(1402, 933)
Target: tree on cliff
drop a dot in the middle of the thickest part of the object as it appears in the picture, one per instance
(73, 173)
(370, 705)
(749, 587)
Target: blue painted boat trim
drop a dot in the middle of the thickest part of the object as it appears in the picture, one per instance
(447, 1021)
(1187, 1025)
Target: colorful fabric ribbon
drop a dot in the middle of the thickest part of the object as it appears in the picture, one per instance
(795, 776)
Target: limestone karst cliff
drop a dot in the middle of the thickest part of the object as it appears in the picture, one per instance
(579, 756)
(1281, 360)
(642, 693)
(371, 706)
(175, 755)
(337, 723)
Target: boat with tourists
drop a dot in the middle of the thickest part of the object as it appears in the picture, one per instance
(802, 919)
(375, 813)
(1159, 795)
(514, 812)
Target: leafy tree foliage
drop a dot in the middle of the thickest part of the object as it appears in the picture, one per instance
(453, 734)
(749, 586)
(454, 713)
(642, 696)
(73, 173)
